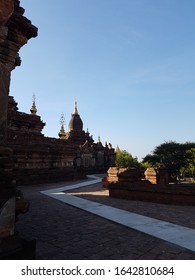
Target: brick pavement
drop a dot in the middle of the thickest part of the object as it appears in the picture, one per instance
(181, 215)
(65, 232)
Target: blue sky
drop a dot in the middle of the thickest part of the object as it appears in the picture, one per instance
(130, 64)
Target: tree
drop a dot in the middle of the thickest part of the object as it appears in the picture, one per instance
(125, 159)
(174, 156)
(190, 168)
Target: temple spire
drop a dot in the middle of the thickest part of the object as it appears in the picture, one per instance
(33, 109)
(62, 133)
(75, 109)
(75, 123)
(99, 142)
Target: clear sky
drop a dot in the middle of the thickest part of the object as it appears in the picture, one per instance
(130, 64)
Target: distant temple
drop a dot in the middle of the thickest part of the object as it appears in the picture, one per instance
(44, 159)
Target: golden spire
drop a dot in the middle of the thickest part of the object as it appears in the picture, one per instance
(62, 133)
(33, 109)
(75, 109)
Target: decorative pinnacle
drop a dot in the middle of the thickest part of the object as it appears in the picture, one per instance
(99, 142)
(62, 120)
(33, 109)
(34, 98)
(75, 109)
(62, 133)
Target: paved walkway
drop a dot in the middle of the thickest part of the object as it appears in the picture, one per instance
(66, 227)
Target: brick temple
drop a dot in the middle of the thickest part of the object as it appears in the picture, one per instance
(40, 159)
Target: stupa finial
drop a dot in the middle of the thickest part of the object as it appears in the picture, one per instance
(62, 133)
(75, 108)
(33, 109)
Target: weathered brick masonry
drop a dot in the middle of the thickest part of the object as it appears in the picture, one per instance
(129, 184)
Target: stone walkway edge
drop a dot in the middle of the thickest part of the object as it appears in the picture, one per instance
(179, 235)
